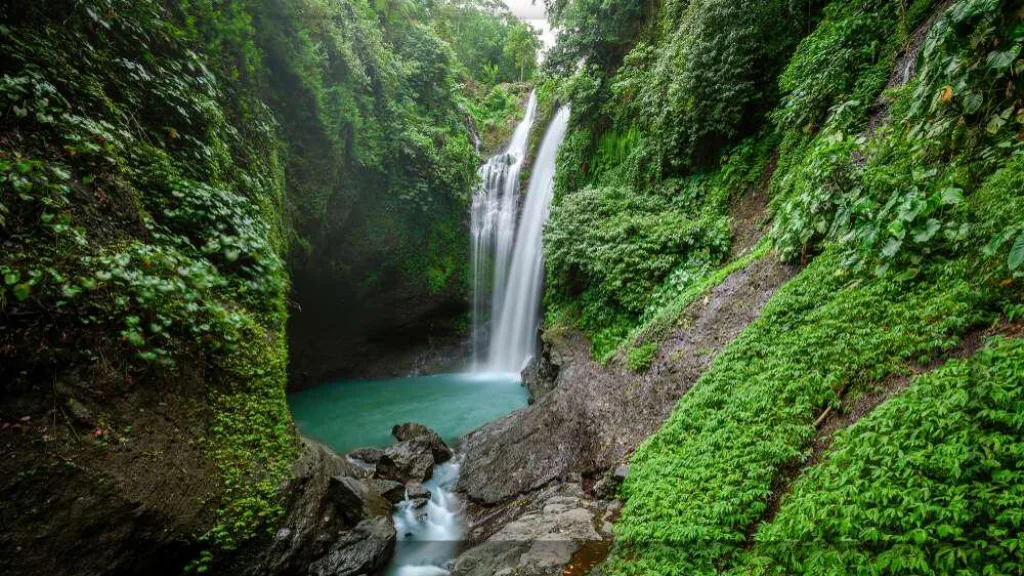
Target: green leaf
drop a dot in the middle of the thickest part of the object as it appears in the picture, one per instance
(925, 234)
(1001, 60)
(973, 102)
(995, 124)
(21, 291)
(1016, 257)
(134, 337)
(891, 247)
(952, 196)
(12, 277)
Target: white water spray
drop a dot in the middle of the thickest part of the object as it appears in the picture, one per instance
(493, 227)
(428, 535)
(516, 319)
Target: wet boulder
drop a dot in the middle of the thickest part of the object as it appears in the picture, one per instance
(392, 491)
(328, 515)
(410, 461)
(412, 432)
(413, 458)
(416, 490)
(368, 455)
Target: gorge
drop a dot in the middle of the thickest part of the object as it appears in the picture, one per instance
(343, 288)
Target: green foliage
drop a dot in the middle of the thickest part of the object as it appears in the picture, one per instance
(999, 206)
(846, 60)
(639, 359)
(490, 43)
(619, 255)
(598, 31)
(920, 183)
(897, 197)
(379, 154)
(521, 47)
(697, 485)
(609, 249)
(141, 200)
(495, 113)
(928, 483)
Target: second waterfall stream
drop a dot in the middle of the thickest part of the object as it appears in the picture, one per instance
(508, 267)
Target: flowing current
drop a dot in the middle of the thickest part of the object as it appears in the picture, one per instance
(511, 243)
(493, 228)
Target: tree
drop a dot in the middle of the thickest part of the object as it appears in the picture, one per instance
(521, 47)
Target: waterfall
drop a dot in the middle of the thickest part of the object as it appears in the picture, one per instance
(493, 227)
(517, 257)
(516, 321)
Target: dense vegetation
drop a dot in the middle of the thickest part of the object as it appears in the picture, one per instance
(929, 482)
(887, 136)
(161, 167)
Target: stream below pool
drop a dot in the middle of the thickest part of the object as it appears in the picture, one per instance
(353, 414)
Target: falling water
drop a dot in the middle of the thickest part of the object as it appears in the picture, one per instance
(507, 261)
(493, 227)
(429, 533)
(514, 331)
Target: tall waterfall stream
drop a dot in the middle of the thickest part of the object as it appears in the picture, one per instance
(510, 242)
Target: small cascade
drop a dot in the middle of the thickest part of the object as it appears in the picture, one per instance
(516, 314)
(493, 228)
(428, 535)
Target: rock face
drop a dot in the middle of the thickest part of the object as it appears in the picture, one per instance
(390, 490)
(541, 375)
(356, 501)
(540, 534)
(413, 458)
(364, 550)
(596, 415)
(368, 455)
(336, 522)
(405, 462)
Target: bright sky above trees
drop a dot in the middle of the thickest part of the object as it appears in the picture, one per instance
(532, 12)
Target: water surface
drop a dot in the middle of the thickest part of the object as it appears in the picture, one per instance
(355, 413)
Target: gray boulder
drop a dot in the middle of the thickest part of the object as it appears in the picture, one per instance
(410, 461)
(412, 432)
(364, 550)
(551, 526)
(368, 455)
(392, 491)
(355, 501)
(416, 490)
(321, 501)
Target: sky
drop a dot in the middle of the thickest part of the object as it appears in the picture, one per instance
(532, 12)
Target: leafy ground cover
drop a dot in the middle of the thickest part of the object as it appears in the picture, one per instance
(891, 196)
(697, 485)
(931, 482)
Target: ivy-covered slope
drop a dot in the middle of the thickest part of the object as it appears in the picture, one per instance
(143, 345)
(930, 482)
(893, 143)
(161, 163)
